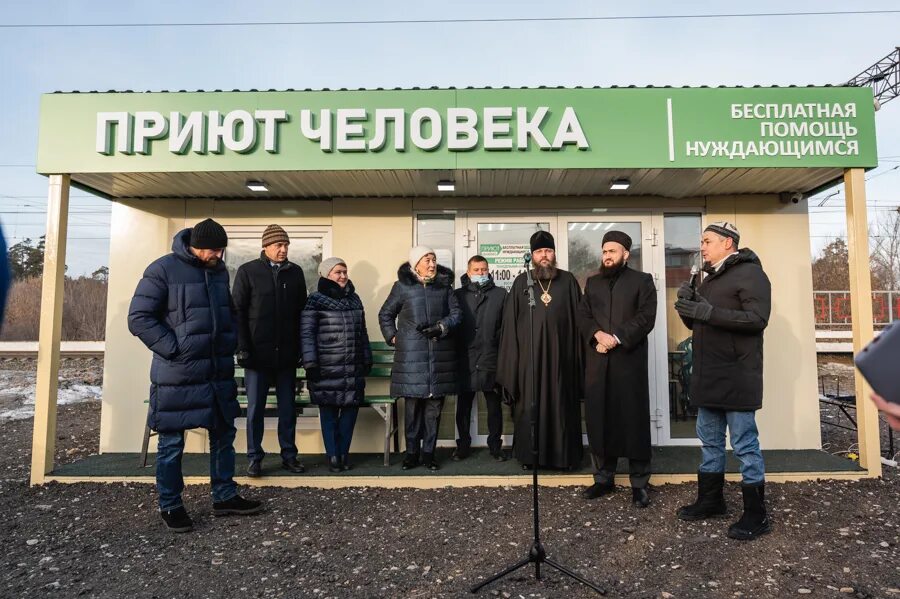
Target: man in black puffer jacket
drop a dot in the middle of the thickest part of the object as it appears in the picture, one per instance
(727, 315)
(269, 295)
(181, 310)
(478, 340)
(417, 318)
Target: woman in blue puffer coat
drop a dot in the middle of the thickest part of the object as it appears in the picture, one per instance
(337, 357)
(418, 318)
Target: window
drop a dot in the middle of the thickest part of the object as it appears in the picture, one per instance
(307, 247)
(682, 235)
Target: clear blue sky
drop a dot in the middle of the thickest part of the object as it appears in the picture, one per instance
(746, 51)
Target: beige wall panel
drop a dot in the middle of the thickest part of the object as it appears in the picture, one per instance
(779, 234)
(266, 212)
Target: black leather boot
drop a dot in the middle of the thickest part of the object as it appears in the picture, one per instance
(410, 461)
(334, 464)
(710, 498)
(754, 521)
(345, 462)
(639, 497)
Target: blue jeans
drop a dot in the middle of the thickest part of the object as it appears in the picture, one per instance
(169, 480)
(337, 428)
(258, 383)
(711, 425)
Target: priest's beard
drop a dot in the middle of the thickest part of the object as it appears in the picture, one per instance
(613, 269)
(545, 272)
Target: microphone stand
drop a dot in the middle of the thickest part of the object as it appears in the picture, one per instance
(537, 555)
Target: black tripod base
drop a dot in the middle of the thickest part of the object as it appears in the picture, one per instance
(537, 556)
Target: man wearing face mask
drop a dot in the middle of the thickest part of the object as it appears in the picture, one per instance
(269, 295)
(616, 315)
(478, 341)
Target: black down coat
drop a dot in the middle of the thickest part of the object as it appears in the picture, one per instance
(728, 348)
(268, 306)
(333, 339)
(478, 336)
(182, 312)
(422, 367)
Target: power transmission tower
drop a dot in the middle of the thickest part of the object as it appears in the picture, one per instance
(883, 77)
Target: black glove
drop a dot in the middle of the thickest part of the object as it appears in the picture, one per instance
(242, 358)
(313, 373)
(432, 331)
(685, 291)
(699, 310)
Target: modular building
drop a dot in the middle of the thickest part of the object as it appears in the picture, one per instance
(366, 174)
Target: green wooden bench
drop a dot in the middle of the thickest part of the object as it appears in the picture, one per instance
(384, 405)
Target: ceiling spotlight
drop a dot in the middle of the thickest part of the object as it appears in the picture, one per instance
(256, 186)
(446, 186)
(620, 184)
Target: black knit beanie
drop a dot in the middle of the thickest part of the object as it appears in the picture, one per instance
(208, 235)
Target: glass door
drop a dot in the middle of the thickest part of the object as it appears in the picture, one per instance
(503, 239)
(579, 247)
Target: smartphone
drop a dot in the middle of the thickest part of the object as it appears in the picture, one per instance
(879, 363)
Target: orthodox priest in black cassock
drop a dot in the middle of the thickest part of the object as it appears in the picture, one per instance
(557, 366)
(616, 315)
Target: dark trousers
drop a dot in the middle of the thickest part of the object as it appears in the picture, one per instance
(422, 415)
(258, 383)
(464, 403)
(169, 479)
(605, 470)
(337, 428)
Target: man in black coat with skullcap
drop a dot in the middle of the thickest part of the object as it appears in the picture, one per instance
(616, 315)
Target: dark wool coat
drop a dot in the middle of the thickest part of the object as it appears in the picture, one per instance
(333, 338)
(268, 306)
(422, 367)
(182, 312)
(728, 348)
(616, 384)
(478, 335)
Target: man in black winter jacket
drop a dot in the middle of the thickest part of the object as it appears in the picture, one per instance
(478, 339)
(727, 315)
(269, 294)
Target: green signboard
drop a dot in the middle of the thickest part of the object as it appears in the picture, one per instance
(457, 129)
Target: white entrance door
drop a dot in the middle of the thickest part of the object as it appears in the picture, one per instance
(503, 240)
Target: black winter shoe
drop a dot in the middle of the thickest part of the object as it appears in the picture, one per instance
(460, 453)
(710, 498)
(754, 521)
(410, 461)
(177, 520)
(429, 462)
(334, 464)
(254, 468)
(597, 490)
(293, 465)
(639, 497)
(345, 462)
(238, 506)
(498, 455)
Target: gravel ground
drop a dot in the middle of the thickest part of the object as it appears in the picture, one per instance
(830, 539)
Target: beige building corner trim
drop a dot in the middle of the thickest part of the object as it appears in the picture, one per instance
(861, 315)
(440, 482)
(43, 443)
